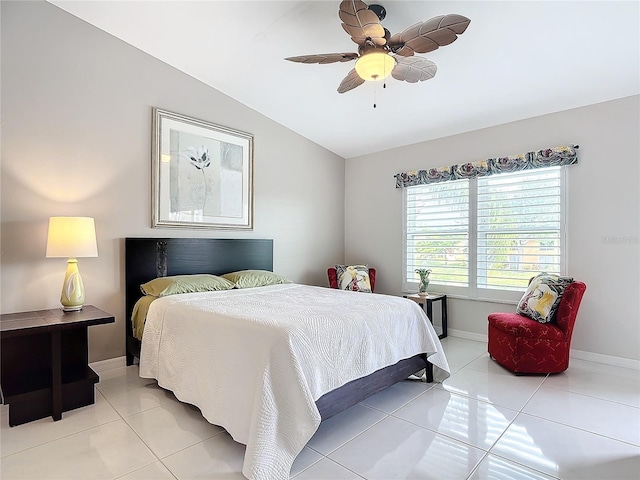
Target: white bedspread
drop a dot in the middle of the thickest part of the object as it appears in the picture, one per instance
(255, 360)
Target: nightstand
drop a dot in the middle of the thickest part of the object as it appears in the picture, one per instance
(44, 368)
(428, 301)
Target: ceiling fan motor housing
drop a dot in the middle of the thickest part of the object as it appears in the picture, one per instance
(379, 10)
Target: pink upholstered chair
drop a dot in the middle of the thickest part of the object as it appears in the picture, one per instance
(525, 346)
(333, 277)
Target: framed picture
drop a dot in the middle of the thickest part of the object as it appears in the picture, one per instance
(202, 174)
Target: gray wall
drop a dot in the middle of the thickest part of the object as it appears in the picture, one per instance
(603, 215)
(76, 140)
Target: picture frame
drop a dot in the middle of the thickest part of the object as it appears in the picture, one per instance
(202, 174)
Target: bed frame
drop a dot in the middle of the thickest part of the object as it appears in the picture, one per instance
(149, 258)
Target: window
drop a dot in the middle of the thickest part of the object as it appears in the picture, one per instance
(485, 236)
(437, 231)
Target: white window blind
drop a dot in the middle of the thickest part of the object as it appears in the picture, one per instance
(437, 232)
(487, 236)
(519, 227)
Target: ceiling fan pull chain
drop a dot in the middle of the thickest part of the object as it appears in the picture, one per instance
(374, 94)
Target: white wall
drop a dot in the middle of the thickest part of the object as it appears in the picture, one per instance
(604, 214)
(76, 140)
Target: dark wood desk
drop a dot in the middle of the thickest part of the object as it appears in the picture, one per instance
(428, 301)
(44, 365)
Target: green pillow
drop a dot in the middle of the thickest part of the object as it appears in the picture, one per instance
(163, 286)
(254, 278)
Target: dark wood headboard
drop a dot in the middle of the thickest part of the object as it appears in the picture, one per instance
(149, 258)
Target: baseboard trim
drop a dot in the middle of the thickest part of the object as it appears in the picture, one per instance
(108, 364)
(578, 354)
(478, 337)
(606, 359)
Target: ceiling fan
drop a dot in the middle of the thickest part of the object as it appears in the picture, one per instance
(381, 54)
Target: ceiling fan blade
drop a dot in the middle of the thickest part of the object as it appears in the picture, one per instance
(324, 58)
(428, 36)
(414, 69)
(351, 81)
(361, 23)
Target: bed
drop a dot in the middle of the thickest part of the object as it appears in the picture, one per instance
(268, 455)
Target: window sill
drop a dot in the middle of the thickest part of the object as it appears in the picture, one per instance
(486, 300)
(470, 299)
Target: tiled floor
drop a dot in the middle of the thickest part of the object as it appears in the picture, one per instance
(482, 423)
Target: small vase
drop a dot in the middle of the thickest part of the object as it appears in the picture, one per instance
(422, 289)
(424, 281)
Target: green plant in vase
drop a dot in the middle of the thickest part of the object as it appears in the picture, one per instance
(424, 280)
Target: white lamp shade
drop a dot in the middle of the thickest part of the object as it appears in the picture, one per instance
(72, 237)
(375, 66)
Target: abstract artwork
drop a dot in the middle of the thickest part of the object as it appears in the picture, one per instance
(202, 174)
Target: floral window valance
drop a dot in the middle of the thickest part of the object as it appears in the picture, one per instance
(550, 157)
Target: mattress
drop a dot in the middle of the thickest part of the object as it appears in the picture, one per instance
(256, 360)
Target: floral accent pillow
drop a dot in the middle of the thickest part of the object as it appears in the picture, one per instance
(354, 278)
(540, 301)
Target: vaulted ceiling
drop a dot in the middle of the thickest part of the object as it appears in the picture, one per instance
(517, 59)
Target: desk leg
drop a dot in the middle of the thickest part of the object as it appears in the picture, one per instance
(444, 317)
(429, 304)
(56, 375)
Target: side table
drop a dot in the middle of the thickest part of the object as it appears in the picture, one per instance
(428, 301)
(44, 362)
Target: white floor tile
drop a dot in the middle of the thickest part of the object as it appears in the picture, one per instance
(391, 435)
(496, 468)
(603, 369)
(122, 376)
(595, 415)
(129, 398)
(104, 452)
(395, 449)
(566, 452)
(461, 351)
(155, 471)
(171, 427)
(221, 457)
(217, 457)
(617, 384)
(392, 398)
(27, 435)
(110, 364)
(342, 427)
(508, 391)
(326, 469)
(484, 363)
(304, 460)
(463, 418)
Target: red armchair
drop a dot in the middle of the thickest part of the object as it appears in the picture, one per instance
(333, 277)
(525, 346)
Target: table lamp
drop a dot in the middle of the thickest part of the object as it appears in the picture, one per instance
(72, 237)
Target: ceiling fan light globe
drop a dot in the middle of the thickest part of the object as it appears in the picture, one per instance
(375, 66)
